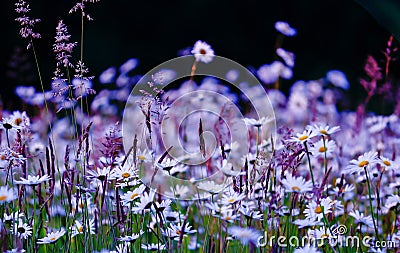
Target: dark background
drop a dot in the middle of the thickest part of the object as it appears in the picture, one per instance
(331, 35)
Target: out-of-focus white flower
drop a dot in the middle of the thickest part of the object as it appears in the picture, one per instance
(285, 29)
(270, 73)
(245, 235)
(51, 237)
(108, 75)
(338, 78)
(203, 52)
(287, 56)
(128, 65)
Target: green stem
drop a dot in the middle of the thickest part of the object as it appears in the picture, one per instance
(309, 163)
(370, 204)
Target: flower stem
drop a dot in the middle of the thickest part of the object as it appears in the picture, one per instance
(309, 163)
(370, 204)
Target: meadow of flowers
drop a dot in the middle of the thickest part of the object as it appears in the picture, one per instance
(194, 161)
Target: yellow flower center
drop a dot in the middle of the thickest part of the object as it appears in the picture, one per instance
(322, 149)
(231, 200)
(324, 236)
(387, 163)
(141, 157)
(134, 195)
(80, 229)
(53, 239)
(3, 197)
(303, 137)
(363, 163)
(2, 157)
(126, 175)
(178, 232)
(296, 188)
(17, 121)
(203, 51)
(81, 205)
(323, 131)
(318, 210)
(228, 218)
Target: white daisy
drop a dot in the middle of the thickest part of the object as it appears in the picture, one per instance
(319, 149)
(367, 159)
(296, 184)
(51, 237)
(6, 195)
(317, 211)
(153, 247)
(245, 235)
(21, 229)
(203, 52)
(306, 135)
(361, 218)
(130, 196)
(285, 29)
(323, 130)
(33, 180)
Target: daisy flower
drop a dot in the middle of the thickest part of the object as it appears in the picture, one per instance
(124, 173)
(100, 174)
(288, 57)
(203, 52)
(361, 218)
(211, 187)
(144, 155)
(232, 197)
(6, 195)
(392, 201)
(228, 215)
(296, 184)
(317, 211)
(306, 135)
(51, 237)
(338, 79)
(153, 247)
(33, 180)
(245, 235)
(319, 149)
(8, 125)
(79, 228)
(365, 160)
(167, 164)
(323, 130)
(132, 195)
(20, 119)
(176, 230)
(307, 223)
(130, 238)
(145, 202)
(285, 29)
(257, 123)
(21, 229)
(388, 163)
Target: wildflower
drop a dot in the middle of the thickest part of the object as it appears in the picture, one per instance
(297, 185)
(323, 130)
(338, 79)
(307, 223)
(361, 218)
(270, 73)
(128, 65)
(108, 75)
(203, 52)
(79, 228)
(100, 174)
(228, 215)
(228, 170)
(303, 137)
(8, 125)
(365, 160)
(33, 180)
(392, 201)
(321, 149)
(51, 237)
(210, 186)
(231, 197)
(245, 235)
(145, 202)
(130, 238)
(317, 211)
(176, 230)
(124, 173)
(16, 250)
(259, 122)
(285, 29)
(288, 57)
(153, 247)
(388, 163)
(144, 155)
(20, 119)
(250, 213)
(167, 164)
(6, 195)
(21, 229)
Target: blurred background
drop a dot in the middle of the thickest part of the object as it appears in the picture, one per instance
(330, 35)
